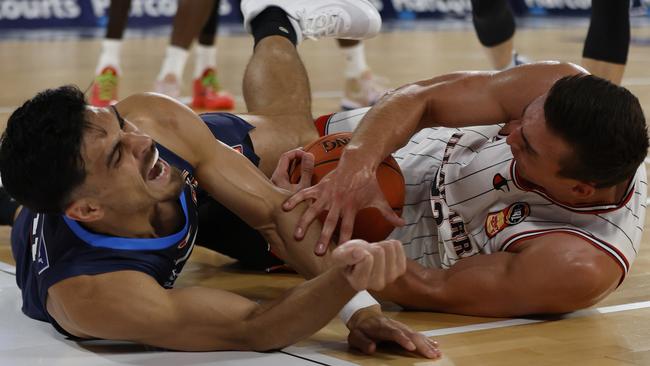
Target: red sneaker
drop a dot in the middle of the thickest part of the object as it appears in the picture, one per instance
(104, 90)
(206, 94)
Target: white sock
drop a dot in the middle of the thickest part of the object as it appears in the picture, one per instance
(206, 57)
(355, 60)
(174, 63)
(110, 56)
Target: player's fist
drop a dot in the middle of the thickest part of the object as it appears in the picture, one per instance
(370, 265)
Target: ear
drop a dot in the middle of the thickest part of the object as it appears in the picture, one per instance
(84, 210)
(583, 190)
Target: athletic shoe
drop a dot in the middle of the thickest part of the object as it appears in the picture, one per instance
(315, 19)
(363, 91)
(206, 94)
(169, 86)
(104, 89)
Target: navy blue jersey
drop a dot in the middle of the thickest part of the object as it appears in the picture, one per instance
(50, 248)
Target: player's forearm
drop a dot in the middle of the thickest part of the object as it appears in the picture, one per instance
(208, 323)
(300, 312)
(279, 232)
(470, 287)
(386, 127)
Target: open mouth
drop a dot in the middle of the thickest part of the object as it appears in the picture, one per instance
(158, 167)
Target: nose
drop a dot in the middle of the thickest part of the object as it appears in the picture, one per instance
(514, 138)
(139, 144)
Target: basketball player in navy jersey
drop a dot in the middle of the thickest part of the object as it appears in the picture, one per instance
(113, 198)
(537, 208)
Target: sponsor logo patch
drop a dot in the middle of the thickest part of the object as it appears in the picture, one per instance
(509, 216)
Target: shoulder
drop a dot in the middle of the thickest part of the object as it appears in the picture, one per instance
(549, 69)
(149, 111)
(587, 269)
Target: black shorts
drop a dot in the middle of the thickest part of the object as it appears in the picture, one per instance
(219, 228)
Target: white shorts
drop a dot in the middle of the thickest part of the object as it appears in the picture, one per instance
(419, 161)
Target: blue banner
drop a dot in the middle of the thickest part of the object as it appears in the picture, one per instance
(32, 14)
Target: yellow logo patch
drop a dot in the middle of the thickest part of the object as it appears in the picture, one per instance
(509, 216)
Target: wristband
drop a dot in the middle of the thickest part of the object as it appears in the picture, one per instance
(361, 300)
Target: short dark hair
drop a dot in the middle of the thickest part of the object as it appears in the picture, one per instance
(604, 125)
(40, 151)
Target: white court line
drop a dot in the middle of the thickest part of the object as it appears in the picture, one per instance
(7, 268)
(314, 352)
(521, 321)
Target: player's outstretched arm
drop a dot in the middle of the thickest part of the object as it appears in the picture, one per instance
(233, 180)
(130, 305)
(552, 274)
(455, 100)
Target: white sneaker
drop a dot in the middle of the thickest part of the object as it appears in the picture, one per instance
(314, 19)
(169, 86)
(363, 91)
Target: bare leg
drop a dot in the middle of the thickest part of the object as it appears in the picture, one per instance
(608, 40)
(501, 55)
(190, 18)
(209, 30)
(494, 23)
(118, 14)
(606, 70)
(278, 97)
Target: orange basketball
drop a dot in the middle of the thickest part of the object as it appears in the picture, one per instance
(369, 224)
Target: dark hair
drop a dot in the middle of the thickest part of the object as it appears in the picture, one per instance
(604, 125)
(40, 151)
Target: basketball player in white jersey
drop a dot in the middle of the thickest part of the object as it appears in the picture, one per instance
(538, 208)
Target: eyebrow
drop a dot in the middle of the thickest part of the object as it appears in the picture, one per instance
(117, 145)
(529, 147)
(120, 120)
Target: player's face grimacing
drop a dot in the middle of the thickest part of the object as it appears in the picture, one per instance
(124, 170)
(539, 152)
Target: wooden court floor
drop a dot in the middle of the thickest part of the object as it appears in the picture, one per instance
(611, 333)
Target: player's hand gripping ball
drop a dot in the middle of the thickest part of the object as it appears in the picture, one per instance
(369, 224)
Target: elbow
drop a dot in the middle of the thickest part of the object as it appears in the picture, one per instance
(262, 340)
(589, 285)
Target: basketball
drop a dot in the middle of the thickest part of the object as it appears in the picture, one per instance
(369, 224)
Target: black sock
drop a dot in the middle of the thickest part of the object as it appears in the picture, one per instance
(8, 208)
(272, 21)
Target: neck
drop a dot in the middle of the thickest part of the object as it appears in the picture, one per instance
(163, 219)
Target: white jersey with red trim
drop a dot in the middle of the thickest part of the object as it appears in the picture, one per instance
(463, 199)
(481, 206)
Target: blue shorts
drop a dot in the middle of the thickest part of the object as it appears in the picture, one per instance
(232, 131)
(219, 228)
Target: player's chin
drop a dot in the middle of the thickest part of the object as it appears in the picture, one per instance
(165, 191)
